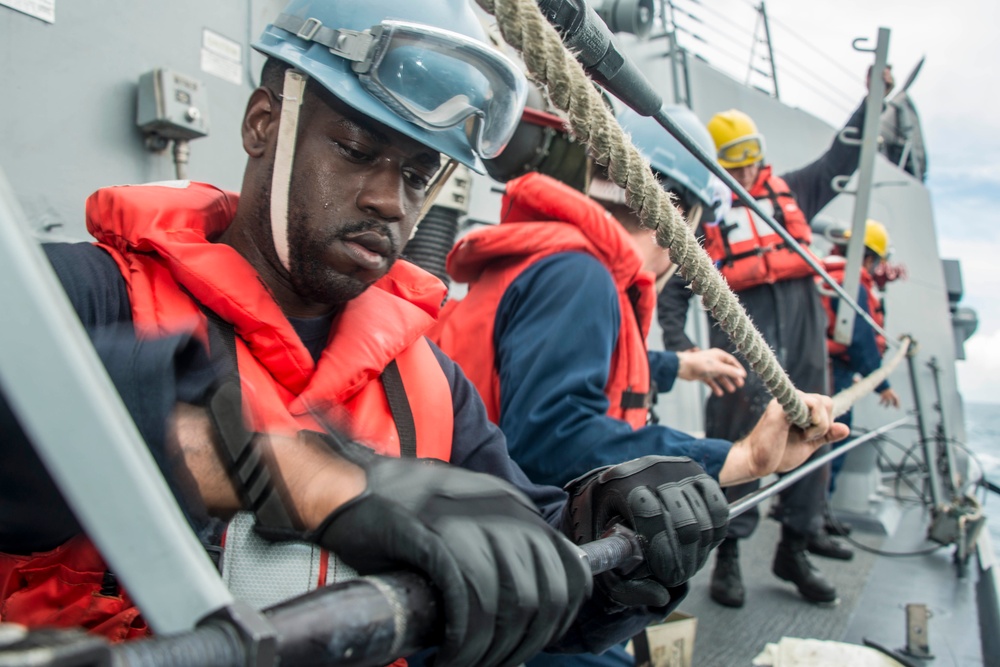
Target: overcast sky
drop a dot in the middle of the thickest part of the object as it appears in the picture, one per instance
(957, 97)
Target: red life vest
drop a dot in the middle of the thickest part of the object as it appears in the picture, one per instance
(835, 265)
(160, 237)
(491, 259)
(67, 587)
(746, 250)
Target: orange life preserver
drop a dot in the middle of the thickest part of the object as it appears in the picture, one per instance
(746, 250)
(160, 237)
(491, 259)
(835, 265)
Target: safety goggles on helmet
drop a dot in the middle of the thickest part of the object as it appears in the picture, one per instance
(742, 152)
(433, 78)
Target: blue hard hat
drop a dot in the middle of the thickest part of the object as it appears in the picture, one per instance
(422, 67)
(678, 169)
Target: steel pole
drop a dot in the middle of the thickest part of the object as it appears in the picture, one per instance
(930, 455)
(953, 477)
(67, 405)
(844, 324)
(770, 50)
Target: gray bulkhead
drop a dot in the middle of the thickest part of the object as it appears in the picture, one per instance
(68, 122)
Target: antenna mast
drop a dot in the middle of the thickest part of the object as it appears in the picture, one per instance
(751, 67)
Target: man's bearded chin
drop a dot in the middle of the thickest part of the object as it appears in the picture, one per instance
(311, 277)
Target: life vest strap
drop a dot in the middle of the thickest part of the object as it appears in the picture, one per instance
(633, 400)
(399, 406)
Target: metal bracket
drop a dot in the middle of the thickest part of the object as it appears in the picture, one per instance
(859, 40)
(839, 184)
(850, 136)
(917, 639)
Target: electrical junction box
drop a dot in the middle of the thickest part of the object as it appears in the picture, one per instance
(171, 106)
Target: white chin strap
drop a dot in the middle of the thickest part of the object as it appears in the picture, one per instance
(284, 156)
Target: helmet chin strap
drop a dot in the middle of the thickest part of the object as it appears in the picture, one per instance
(284, 155)
(433, 190)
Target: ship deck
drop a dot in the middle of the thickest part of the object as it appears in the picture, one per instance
(873, 590)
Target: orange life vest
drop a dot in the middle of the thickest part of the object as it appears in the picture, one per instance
(160, 237)
(491, 259)
(835, 265)
(746, 250)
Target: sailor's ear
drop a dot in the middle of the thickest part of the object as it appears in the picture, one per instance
(260, 122)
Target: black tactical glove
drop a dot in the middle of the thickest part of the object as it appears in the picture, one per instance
(679, 513)
(510, 583)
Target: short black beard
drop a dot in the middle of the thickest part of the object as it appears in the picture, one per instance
(310, 276)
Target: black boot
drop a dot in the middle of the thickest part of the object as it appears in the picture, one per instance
(727, 583)
(827, 547)
(791, 564)
(836, 528)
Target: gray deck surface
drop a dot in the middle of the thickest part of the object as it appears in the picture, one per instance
(873, 592)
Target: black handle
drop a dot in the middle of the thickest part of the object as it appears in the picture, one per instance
(366, 621)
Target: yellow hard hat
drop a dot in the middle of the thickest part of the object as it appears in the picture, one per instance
(876, 237)
(737, 141)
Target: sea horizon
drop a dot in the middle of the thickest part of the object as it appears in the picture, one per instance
(982, 430)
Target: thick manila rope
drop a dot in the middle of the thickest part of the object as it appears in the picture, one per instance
(843, 401)
(552, 66)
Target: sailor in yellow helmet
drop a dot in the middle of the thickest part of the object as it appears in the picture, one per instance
(739, 145)
(876, 238)
(864, 354)
(776, 288)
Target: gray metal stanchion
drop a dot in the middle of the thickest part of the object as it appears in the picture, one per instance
(66, 403)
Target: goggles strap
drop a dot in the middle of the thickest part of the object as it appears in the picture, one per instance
(284, 155)
(350, 44)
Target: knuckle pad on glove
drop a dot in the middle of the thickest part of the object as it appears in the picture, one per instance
(636, 592)
(677, 562)
(718, 507)
(683, 517)
(677, 510)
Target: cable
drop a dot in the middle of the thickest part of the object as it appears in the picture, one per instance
(722, 17)
(878, 552)
(840, 104)
(793, 63)
(691, 18)
(787, 61)
(721, 51)
(739, 39)
(812, 47)
(903, 475)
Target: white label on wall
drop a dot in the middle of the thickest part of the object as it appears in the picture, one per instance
(40, 9)
(221, 57)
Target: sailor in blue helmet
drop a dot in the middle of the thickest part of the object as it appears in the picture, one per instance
(552, 329)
